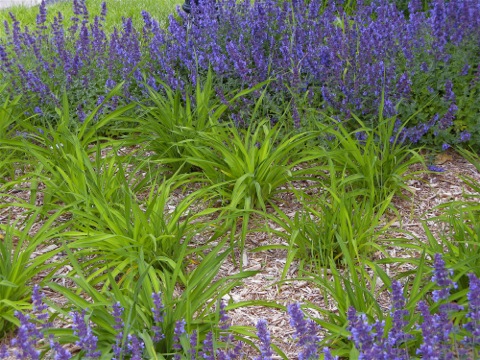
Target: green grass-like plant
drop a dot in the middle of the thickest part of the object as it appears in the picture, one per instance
(336, 225)
(375, 155)
(19, 264)
(251, 165)
(459, 229)
(172, 121)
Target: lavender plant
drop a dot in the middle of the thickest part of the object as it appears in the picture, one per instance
(437, 330)
(340, 61)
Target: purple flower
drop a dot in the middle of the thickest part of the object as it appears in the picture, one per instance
(103, 13)
(117, 315)
(86, 340)
(445, 146)
(435, 168)
(449, 94)
(42, 14)
(363, 334)
(465, 69)
(208, 351)
(473, 314)
(398, 312)
(264, 336)
(4, 352)
(80, 113)
(178, 332)
(193, 345)
(26, 339)
(60, 352)
(39, 308)
(328, 355)
(436, 330)
(110, 84)
(135, 347)
(157, 311)
(224, 319)
(441, 276)
(465, 136)
(306, 332)
(404, 84)
(447, 120)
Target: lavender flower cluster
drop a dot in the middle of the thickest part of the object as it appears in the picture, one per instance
(342, 62)
(31, 334)
(372, 341)
(437, 330)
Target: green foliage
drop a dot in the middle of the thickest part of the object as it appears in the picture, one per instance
(247, 168)
(23, 257)
(474, 159)
(172, 122)
(69, 161)
(195, 302)
(359, 285)
(346, 215)
(336, 225)
(458, 224)
(354, 286)
(9, 116)
(133, 230)
(118, 232)
(10, 124)
(251, 165)
(375, 156)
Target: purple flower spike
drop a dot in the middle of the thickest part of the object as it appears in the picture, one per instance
(60, 352)
(39, 307)
(208, 351)
(361, 331)
(104, 10)
(42, 14)
(327, 355)
(117, 314)
(26, 339)
(436, 330)
(193, 345)
(224, 319)
(178, 332)
(441, 276)
(87, 341)
(135, 347)
(264, 336)
(449, 94)
(397, 336)
(473, 326)
(306, 331)
(157, 311)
